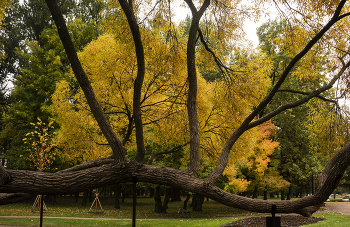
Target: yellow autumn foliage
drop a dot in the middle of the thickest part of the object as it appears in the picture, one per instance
(110, 64)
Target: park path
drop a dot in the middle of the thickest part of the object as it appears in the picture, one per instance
(338, 207)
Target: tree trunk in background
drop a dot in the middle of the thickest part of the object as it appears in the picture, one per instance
(290, 193)
(186, 201)
(123, 194)
(255, 193)
(160, 207)
(265, 194)
(51, 199)
(176, 195)
(90, 195)
(116, 196)
(76, 196)
(83, 203)
(168, 193)
(301, 191)
(282, 195)
(197, 202)
(151, 191)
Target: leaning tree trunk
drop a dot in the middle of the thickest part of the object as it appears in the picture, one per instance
(70, 182)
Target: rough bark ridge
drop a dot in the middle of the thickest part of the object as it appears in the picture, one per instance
(16, 185)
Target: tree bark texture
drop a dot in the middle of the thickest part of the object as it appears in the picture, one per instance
(64, 183)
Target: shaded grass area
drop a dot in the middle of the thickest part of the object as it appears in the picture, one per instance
(332, 220)
(67, 207)
(109, 223)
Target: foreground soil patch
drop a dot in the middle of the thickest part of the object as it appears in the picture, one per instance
(287, 220)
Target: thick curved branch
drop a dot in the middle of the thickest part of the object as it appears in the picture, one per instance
(128, 10)
(334, 163)
(192, 86)
(244, 126)
(70, 182)
(89, 164)
(112, 138)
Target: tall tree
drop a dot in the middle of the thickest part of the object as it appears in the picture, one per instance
(118, 168)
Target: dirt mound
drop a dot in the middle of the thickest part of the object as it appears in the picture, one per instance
(287, 220)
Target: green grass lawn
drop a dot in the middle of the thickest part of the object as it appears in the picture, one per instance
(109, 223)
(333, 219)
(67, 207)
